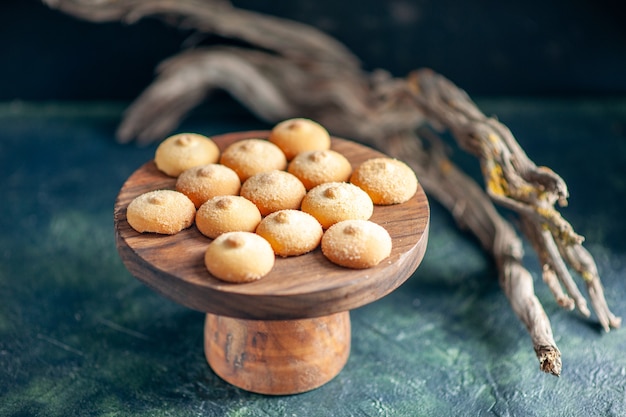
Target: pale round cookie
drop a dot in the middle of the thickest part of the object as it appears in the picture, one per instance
(299, 135)
(385, 180)
(183, 151)
(333, 202)
(356, 244)
(227, 213)
(239, 257)
(165, 212)
(207, 181)
(274, 190)
(290, 232)
(252, 156)
(317, 167)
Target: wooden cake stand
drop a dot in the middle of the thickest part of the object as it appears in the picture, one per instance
(289, 332)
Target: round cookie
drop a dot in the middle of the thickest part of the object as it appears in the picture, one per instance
(333, 202)
(239, 257)
(386, 180)
(356, 244)
(207, 181)
(165, 212)
(299, 135)
(274, 190)
(252, 156)
(317, 167)
(183, 151)
(224, 214)
(290, 232)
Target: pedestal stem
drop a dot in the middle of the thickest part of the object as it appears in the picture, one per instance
(277, 357)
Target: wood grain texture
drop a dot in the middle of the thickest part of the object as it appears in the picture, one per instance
(297, 287)
(277, 357)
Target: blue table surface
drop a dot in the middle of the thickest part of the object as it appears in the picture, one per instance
(80, 336)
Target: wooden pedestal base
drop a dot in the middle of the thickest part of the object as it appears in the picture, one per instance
(277, 357)
(260, 336)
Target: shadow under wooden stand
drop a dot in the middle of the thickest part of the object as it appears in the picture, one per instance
(290, 331)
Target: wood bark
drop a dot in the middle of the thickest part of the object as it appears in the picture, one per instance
(291, 69)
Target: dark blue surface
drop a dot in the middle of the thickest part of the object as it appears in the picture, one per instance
(80, 336)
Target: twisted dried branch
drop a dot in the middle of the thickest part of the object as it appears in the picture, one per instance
(514, 181)
(295, 70)
(473, 210)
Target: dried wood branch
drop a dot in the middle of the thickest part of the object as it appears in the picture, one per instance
(473, 210)
(294, 70)
(294, 40)
(514, 181)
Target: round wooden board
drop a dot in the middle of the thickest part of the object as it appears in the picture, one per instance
(297, 287)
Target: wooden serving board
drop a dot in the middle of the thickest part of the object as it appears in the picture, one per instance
(297, 287)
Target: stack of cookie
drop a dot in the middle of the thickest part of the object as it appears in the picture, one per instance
(282, 196)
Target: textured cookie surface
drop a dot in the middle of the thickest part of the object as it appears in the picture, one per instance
(252, 156)
(385, 180)
(274, 190)
(207, 181)
(297, 135)
(290, 232)
(183, 151)
(224, 214)
(161, 211)
(333, 202)
(356, 244)
(239, 257)
(317, 167)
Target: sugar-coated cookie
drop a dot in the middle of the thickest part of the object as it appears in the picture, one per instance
(274, 190)
(183, 151)
(385, 180)
(161, 211)
(239, 257)
(299, 135)
(317, 167)
(356, 244)
(252, 156)
(229, 213)
(290, 232)
(333, 202)
(206, 181)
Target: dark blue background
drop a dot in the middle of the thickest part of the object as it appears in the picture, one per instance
(80, 335)
(489, 47)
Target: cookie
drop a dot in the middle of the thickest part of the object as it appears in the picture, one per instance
(223, 214)
(274, 190)
(297, 135)
(161, 211)
(290, 232)
(252, 156)
(239, 257)
(207, 181)
(318, 167)
(356, 244)
(386, 180)
(333, 202)
(183, 151)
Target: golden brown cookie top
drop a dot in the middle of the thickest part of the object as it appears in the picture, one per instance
(239, 257)
(161, 211)
(183, 151)
(332, 202)
(206, 181)
(385, 180)
(252, 156)
(356, 244)
(297, 135)
(317, 167)
(291, 232)
(274, 190)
